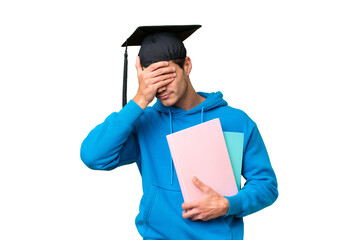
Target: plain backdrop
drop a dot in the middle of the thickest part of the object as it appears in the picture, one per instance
(292, 66)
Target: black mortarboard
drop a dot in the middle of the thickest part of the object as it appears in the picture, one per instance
(158, 43)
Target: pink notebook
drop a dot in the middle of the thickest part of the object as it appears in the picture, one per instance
(201, 151)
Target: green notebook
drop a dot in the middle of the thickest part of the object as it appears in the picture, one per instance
(235, 145)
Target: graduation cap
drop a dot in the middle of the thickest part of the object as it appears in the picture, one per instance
(158, 43)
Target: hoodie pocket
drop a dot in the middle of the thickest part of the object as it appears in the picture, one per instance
(163, 219)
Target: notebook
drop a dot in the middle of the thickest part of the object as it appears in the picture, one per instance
(235, 145)
(201, 151)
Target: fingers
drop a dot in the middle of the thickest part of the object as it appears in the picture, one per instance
(138, 65)
(154, 77)
(161, 78)
(163, 83)
(160, 72)
(157, 65)
(189, 205)
(190, 213)
(200, 185)
(194, 214)
(161, 89)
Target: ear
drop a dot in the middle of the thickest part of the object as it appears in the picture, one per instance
(187, 66)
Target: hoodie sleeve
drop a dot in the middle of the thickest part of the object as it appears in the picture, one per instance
(114, 142)
(260, 189)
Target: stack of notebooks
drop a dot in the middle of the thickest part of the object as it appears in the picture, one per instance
(213, 156)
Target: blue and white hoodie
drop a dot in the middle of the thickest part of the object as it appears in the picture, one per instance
(134, 135)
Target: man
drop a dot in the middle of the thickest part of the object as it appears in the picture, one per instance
(137, 133)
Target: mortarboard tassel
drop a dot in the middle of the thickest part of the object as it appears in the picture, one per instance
(124, 100)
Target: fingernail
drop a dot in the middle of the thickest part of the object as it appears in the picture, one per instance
(173, 69)
(174, 74)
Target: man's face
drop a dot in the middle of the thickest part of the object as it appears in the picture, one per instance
(172, 93)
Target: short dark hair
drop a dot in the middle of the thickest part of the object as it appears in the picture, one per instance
(179, 61)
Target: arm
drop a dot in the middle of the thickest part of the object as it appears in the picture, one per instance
(114, 142)
(260, 189)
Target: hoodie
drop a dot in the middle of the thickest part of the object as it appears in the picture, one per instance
(134, 135)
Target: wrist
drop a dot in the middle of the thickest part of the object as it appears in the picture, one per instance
(140, 101)
(225, 205)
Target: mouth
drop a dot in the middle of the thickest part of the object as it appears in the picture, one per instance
(164, 96)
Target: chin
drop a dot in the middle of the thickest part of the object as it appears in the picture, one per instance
(167, 102)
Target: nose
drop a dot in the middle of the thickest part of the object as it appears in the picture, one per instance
(162, 89)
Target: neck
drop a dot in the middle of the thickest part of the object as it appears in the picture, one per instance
(190, 99)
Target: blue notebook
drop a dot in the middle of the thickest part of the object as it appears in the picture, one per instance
(235, 145)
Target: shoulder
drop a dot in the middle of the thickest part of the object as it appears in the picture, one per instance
(234, 119)
(237, 114)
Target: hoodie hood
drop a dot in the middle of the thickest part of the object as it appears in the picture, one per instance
(213, 100)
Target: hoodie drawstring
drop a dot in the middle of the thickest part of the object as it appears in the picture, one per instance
(202, 114)
(171, 131)
(171, 161)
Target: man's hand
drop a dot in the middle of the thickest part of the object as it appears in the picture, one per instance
(151, 79)
(210, 205)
